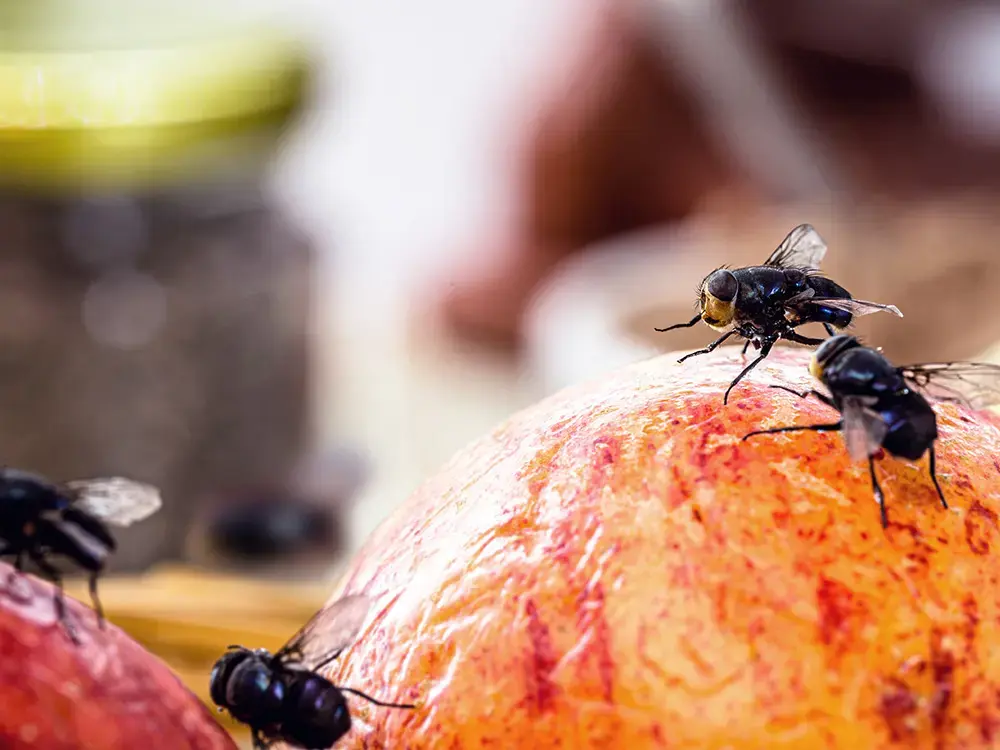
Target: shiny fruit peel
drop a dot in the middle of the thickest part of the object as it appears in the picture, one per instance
(613, 567)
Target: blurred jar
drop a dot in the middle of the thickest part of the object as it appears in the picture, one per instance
(154, 303)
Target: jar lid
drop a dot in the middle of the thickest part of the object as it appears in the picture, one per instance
(156, 99)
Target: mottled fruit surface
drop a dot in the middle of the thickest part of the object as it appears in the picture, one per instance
(107, 693)
(614, 568)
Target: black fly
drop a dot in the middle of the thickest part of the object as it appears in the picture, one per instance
(765, 303)
(281, 696)
(40, 519)
(884, 406)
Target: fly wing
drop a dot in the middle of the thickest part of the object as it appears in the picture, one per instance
(803, 248)
(800, 297)
(975, 384)
(864, 429)
(856, 307)
(115, 500)
(329, 632)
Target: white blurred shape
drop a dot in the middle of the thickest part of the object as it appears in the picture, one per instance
(960, 67)
(406, 153)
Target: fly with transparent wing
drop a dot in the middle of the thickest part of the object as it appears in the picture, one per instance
(884, 407)
(281, 696)
(765, 303)
(40, 520)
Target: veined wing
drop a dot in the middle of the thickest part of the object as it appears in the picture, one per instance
(975, 384)
(864, 429)
(856, 307)
(327, 633)
(802, 248)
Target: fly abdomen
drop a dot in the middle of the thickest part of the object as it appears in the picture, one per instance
(911, 428)
(824, 314)
(824, 287)
(317, 712)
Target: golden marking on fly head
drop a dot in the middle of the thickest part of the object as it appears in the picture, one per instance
(815, 369)
(720, 313)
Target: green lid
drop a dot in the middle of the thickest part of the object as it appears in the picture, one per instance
(112, 93)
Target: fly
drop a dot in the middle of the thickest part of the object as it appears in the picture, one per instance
(882, 406)
(768, 302)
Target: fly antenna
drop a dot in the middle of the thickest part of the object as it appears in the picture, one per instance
(376, 702)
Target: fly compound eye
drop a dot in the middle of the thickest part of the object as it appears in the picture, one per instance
(828, 351)
(722, 285)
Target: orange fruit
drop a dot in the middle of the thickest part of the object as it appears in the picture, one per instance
(614, 568)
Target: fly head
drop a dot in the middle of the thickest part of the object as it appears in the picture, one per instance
(829, 351)
(255, 692)
(221, 672)
(718, 298)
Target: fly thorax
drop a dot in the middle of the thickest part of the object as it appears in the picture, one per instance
(795, 279)
(253, 687)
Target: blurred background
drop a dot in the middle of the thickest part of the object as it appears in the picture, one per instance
(283, 259)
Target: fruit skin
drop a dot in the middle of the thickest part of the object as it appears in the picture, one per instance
(108, 693)
(613, 567)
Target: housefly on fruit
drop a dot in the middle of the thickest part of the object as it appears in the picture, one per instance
(40, 520)
(768, 302)
(884, 406)
(281, 696)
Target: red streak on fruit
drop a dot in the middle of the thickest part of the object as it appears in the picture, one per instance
(615, 567)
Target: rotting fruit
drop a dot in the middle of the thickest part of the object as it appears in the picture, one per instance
(613, 567)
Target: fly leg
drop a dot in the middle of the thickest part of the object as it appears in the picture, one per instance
(765, 349)
(711, 347)
(800, 339)
(259, 743)
(689, 324)
(96, 600)
(830, 329)
(933, 465)
(835, 427)
(372, 700)
(743, 354)
(18, 568)
(878, 493)
(49, 571)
